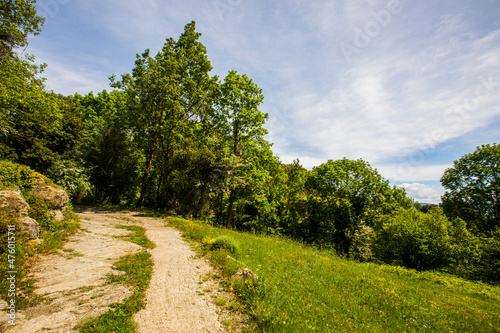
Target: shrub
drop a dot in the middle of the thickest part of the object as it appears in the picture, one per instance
(39, 210)
(360, 238)
(73, 178)
(226, 243)
(485, 264)
(247, 290)
(417, 240)
(13, 175)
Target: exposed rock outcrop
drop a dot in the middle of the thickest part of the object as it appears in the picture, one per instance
(14, 203)
(31, 227)
(38, 181)
(57, 215)
(55, 197)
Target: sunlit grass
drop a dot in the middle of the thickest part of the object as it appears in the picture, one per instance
(137, 236)
(302, 289)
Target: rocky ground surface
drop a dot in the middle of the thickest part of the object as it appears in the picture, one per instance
(73, 282)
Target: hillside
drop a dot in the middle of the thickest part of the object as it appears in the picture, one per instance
(302, 289)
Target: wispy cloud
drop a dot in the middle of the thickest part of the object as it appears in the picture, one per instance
(69, 80)
(409, 97)
(401, 172)
(65, 77)
(422, 193)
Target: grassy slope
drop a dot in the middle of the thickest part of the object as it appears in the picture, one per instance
(306, 290)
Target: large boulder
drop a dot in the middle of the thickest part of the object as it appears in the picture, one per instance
(14, 203)
(55, 197)
(31, 227)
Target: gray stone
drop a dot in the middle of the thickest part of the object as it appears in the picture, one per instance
(244, 275)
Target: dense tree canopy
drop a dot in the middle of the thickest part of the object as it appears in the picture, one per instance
(239, 124)
(422, 241)
(167, 96)
(38, 128)
(18, 19)
(473, 188)
(345, 194)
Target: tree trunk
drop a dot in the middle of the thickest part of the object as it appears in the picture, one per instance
(232, 199)
(145, 177)
(166, 176)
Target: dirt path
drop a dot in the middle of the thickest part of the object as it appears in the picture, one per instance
(173, 303)
(74, 280)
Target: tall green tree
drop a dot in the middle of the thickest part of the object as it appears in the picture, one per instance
(473, 189)
(345, 194)
(241, 120)
(31, 118)
(240, 123)
(37, 128)
(293, 210)
(18, 19)
(167, 96)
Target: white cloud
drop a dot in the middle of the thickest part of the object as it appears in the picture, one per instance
(423, 193)
(68, 80)
(408, 172)
(401, 101)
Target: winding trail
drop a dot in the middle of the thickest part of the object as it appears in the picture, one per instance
(173, 303)
(179, 297)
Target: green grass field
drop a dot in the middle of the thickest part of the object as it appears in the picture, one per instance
(302, 289)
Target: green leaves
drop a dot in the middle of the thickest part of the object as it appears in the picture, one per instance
(422, 240)
(168, 95)
(344, 194)
(473, 188)
(17, 19)
(240, 119)
(38, 127)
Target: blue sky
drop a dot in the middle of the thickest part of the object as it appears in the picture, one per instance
(409, 86)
